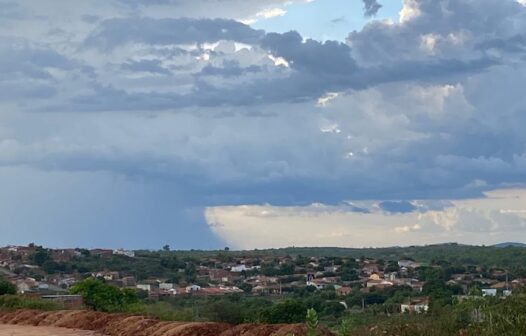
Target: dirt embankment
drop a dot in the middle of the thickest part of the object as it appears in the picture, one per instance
(16, 330)
(126, 325)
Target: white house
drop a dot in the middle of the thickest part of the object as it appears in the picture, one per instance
(126, 253)
(144, 287)
(238, 268)
(166, 286)
(489, 292)
(193, 288)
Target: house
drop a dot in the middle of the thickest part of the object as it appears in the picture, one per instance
(42, 286)
(101, 252)
(26, 285)
(126, 253)
(316, 283)
(374, 276)
(343, 291)
(220, 275)
(167, 292)
(63, 255)
(108, 276)
(489, 292)
(408, 264)
(381, 284)
(128, 281)
(419, 305)
(416, 285)
(238, 268)
(332, 269)
(166, 286)
(193, 289)
(144, 287)
(267, 289)
(67, 282)
(518, 283)
(370, 269)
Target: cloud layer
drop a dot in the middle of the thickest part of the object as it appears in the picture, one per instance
(206, 111)
(498, 217)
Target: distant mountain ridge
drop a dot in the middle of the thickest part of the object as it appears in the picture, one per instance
(510, 244)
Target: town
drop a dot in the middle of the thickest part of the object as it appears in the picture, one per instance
(356, 282)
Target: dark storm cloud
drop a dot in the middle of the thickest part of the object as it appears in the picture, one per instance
(431, 107)
(114, 32)
(371, 7)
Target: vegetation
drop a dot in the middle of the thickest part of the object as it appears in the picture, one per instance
(311, 322)
(6, 287)
(13, 302)
(102, 297)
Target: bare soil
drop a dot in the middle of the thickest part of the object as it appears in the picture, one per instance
(14, 330)
(37, 323)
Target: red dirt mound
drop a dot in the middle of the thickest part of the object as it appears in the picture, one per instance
(126, 325)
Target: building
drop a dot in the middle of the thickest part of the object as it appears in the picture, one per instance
(193, 289)
(489, 292)
(26, 285)
(166, 286)
(381, 284)
(126, 253)
(220, 275)
(420, 305)
(101, 252)
(145, 287)
(343, 291)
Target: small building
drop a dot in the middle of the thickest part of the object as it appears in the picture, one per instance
(193, 289)
(380, 284)
(166, 286)
(220, 275)
(126, 253)
(101, 252)
(489, 292)
(343, 291)
(239, 268)
(145, 287)
(419, 305)
(26, 285)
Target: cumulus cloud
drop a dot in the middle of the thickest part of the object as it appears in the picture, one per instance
(498, 217)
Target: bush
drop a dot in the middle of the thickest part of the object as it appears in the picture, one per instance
(288, 311)
(13, 302)
(6, 287)
(100, 296)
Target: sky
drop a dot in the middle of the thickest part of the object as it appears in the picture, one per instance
(262, 123)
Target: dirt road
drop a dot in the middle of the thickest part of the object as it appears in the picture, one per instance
(8, 330)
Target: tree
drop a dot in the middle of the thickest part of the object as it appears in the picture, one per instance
(7, 288)
(311, 321)
(100, 296)
(40, 256)
(288, 311)
(246, 287)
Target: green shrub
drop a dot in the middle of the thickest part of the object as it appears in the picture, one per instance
(14, 302)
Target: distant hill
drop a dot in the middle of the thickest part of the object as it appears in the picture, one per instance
(510, 244)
